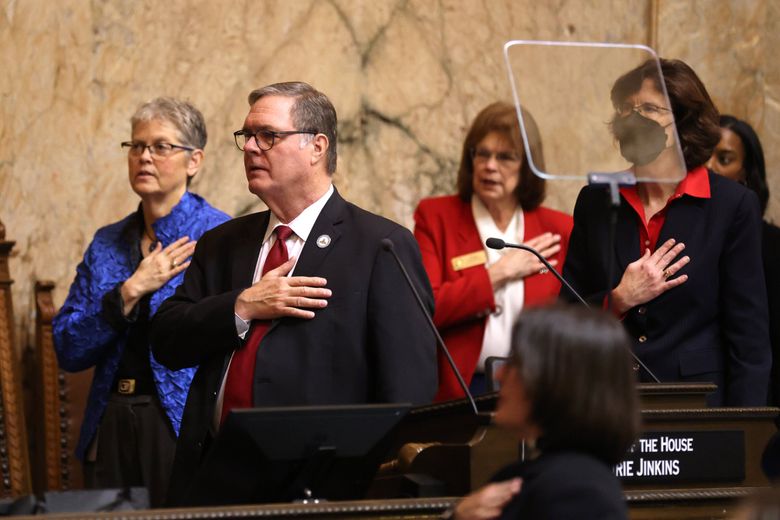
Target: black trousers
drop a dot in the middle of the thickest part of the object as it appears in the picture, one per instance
(134, 446)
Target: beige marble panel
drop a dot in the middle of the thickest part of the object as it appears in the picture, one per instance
(456, 68)
(770, 128)
(732, 45)
(46, 142)
(406, 76)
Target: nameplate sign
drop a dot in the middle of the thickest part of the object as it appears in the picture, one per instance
(685, 456)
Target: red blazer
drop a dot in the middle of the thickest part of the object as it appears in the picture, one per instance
(445, 229)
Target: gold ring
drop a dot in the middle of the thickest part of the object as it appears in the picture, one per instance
(173, 264)
(667, 274)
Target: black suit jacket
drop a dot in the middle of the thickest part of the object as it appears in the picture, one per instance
(369, 345)
(712, 327)
(564, 485)
(771, 254)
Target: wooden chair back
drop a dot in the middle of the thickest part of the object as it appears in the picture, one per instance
(14, 458)
(60, 399)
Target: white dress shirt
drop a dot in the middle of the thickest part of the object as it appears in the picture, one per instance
(509, 298)
(301, 227)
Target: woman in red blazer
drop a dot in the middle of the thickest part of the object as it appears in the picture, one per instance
(479, 292)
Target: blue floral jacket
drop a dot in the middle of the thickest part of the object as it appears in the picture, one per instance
(83, 334)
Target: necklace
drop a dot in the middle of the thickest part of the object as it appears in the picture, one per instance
(152, 241)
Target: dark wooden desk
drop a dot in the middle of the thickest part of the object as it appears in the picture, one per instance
(449, 444)
(463, 451)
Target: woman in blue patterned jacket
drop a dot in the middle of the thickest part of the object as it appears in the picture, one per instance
(134, 409)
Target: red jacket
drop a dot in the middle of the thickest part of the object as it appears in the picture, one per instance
(445, 229)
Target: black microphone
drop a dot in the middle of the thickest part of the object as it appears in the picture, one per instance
(497, 243)
(388, 246)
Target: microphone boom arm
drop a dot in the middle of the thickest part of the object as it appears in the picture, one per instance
(388, 246)
(497, 243)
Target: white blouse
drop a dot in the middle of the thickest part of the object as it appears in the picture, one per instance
(509, 298)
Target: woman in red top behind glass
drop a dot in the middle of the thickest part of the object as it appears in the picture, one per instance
(689, 283)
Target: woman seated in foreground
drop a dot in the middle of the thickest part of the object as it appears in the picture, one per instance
(568, 391)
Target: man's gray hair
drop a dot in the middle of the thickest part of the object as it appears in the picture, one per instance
(312, 110)
(182, 114)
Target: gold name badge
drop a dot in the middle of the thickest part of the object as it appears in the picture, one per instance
(469, 260)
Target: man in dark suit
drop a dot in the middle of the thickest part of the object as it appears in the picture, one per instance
(344, 329)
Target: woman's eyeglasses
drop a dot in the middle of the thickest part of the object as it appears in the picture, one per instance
(506, 159)
(644, 109)
(158, 150)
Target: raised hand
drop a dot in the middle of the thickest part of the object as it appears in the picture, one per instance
(516, 264)
(276, 295)
(159, 266)
(488, 501)
(650, 276)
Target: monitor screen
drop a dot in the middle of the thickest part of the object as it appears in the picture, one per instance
(295, 453)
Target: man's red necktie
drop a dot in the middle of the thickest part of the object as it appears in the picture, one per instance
(240, 377)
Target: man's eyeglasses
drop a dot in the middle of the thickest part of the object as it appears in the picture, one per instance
(506, 159)
(158, 150)
(265, 139)
(644, 109)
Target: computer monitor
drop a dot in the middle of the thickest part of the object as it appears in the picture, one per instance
(286, 454)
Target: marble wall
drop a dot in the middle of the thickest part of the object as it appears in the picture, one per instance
(406, 76)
